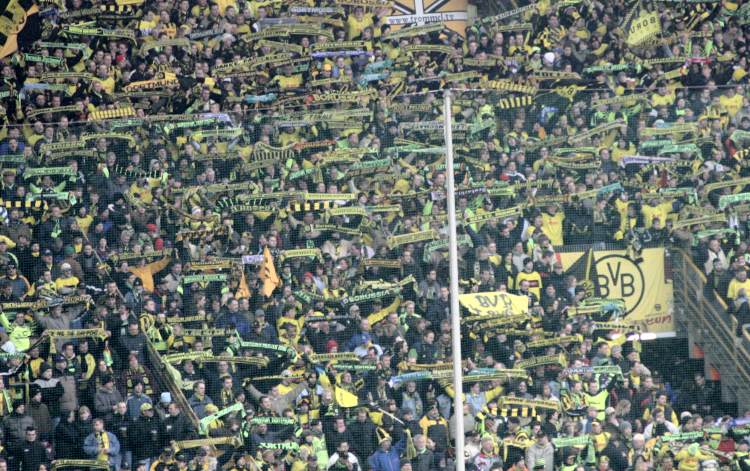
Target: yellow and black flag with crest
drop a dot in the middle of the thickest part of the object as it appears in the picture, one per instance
(19, 25)
(584, 269)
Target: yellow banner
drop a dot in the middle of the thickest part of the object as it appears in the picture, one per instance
(495, 303)
(643, 28)
(643, 286)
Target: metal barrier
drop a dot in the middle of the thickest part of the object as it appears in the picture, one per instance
(710, 325)
(167, 383)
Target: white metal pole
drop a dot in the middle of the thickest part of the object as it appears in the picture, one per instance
(458, 402)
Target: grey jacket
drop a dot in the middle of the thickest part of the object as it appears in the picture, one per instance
(536, 452)
(105, 400)
(14, 427)
(69, 399)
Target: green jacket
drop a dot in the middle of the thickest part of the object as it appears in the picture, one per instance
(19, 334)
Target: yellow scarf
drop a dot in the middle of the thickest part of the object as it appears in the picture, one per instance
(6, 405)
(103, 439)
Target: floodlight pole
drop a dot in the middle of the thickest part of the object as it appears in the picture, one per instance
(458, 404)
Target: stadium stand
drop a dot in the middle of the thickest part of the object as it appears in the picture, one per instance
(223, 234)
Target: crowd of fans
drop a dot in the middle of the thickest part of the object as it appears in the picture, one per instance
(167, 178)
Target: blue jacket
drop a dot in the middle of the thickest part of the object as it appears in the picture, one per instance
(240, 323)
(387, 460)
(91, 448)
(134, 404)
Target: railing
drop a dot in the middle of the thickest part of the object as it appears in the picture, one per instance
(711, 326)
(167, 383)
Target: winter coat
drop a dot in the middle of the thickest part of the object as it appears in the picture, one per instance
(69, 399)
(14, 428)
(366, 440)
(91, 448)
(145, 441)
(52, 391)
(105, 401)
(29, 455)
(40, 414)
(66, 440)
(535, 453)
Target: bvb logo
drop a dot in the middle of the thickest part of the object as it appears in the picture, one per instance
(618, 277)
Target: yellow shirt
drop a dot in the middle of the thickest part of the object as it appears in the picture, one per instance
(735, 286)
(535, 282)
(600, 441)
(552, 226)
(688, 462)
(355, 27)
(223, 4)
(659, 100)
(70, 282)
(661, 211)
(108, 85)
(731, 105)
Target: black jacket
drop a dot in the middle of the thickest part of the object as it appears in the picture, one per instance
(145, 441)
(366, 441)
(84, 429)
(176, 428)
(51, 395)
(66, 440)
(423, 461)
(122, 427)
(334, 439)
(29, 455)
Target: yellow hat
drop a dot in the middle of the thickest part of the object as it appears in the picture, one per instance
(383, 435)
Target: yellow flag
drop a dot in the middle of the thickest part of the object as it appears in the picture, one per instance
(243, 291)
(267, 274)
(345, 399)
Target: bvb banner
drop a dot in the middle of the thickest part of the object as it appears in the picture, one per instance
(408, 13)
(495, 304)
(644, 287)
